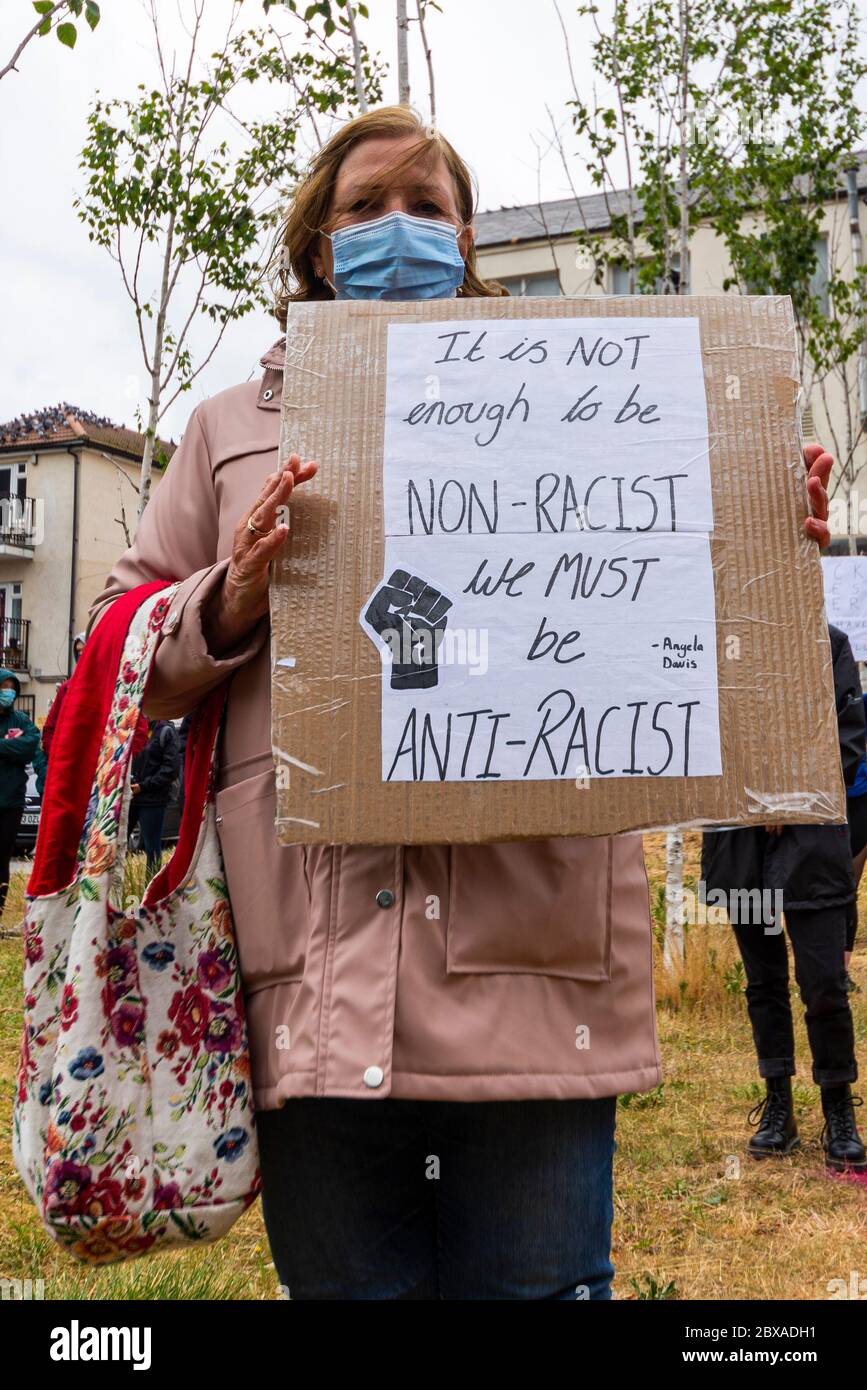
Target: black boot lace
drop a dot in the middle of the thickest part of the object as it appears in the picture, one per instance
(841, 1118)
(770, 1111)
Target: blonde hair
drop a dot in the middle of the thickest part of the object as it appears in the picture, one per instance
(293, 274)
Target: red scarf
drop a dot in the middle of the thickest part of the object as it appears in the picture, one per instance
(77, 741)
(75, 754)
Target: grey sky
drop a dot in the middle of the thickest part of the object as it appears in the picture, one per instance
(68, 331)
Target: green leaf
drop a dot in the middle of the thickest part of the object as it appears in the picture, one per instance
(67, 34)
(43, 6)
(91, 13)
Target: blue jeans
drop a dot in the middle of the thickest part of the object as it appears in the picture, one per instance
(405, 1199)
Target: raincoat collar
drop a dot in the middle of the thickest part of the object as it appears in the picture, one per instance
(271, 385)
(273, 358)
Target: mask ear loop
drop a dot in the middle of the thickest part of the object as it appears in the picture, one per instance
(462, 228)
(286, 263)
(322, 232)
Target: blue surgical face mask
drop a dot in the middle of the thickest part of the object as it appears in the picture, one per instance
(397, 257)
(7, 698)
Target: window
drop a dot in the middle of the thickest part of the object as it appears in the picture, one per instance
(10, 602)
(16, 509)
(839, 545)
(819, 278)
(13, 629)
(13, 480)
(548, 282)
(620, 278)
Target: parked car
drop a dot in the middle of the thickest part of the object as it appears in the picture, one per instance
(25, 842)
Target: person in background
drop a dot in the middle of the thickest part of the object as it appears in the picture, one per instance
(856, 807)
(182, 740)
(154, 770)
(56, 704)
(40, 767)
(809, 867)
(19, 745)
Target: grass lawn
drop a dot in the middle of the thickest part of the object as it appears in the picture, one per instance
(695, 1219)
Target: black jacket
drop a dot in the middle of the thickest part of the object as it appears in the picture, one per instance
(850, 704)
(810, 864)
(157, 766)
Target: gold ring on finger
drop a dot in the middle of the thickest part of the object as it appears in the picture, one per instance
(256, 530)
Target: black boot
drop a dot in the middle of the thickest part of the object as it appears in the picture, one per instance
(777, 1132)
(840, 1138)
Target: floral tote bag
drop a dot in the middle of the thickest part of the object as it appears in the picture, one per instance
(133, 1126)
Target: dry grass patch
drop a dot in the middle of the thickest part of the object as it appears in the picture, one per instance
(695, 1219)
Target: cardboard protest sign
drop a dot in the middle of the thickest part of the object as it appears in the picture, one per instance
(846, 598)
(550, 578)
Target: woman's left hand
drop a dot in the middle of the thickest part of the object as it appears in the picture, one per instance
(819, 465)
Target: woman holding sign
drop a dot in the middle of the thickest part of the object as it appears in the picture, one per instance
(438, 1033)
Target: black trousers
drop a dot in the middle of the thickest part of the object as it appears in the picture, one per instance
(856, 808)
(150, 818)
(818, 940)
(10, 819)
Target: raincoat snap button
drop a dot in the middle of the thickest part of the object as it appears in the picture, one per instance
(385, 898)
(267, 395)
(374, 1076)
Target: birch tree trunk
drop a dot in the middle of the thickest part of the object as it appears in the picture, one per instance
(673, 953)
(684, 278)
(673, 950)
(356, 60)
(402, 54)
(420, 9)
(156, 371)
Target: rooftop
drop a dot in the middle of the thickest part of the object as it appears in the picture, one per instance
(65, 424)
(565, 216)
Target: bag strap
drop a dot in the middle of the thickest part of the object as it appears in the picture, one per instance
(82, 726)
(87, 739)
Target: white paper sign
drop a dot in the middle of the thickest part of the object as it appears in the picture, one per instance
(846, 598)
(547, 607)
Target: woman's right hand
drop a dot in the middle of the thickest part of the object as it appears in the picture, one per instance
(242, 599)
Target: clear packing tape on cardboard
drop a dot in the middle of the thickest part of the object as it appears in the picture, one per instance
(551, 577)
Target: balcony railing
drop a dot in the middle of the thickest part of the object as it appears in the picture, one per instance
(14, 641)
(17, 520)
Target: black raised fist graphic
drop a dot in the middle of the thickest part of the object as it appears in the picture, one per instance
(408, 614)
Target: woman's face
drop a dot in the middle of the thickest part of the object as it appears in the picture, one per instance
(424, 190)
